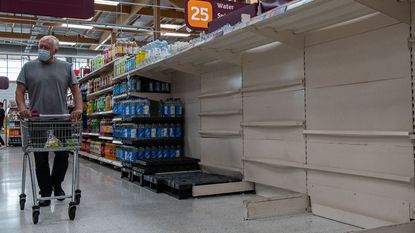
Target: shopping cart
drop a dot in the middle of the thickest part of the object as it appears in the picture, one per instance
(50, 133)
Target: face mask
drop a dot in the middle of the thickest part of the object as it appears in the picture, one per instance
(43, 55)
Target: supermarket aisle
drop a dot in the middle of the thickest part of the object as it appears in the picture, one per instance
(110, 204)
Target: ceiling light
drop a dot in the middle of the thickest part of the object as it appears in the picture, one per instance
(78, 26)
(171, 26)
(175, 34)
(67, 43)
(104, 2)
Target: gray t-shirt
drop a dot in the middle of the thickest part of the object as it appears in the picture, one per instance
(47, 85)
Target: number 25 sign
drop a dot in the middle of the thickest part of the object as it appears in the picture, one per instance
(198, 14)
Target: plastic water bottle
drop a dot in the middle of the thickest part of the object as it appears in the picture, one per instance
(165, 152)
(167, 109)
(159, 131)
(178, 151)
(153, 131)
(179, 108)
(160, 152)
(160, 108)
(178, 131)
(146, 108)
(172, 106)
(147, 152)
(172, 131)
(147, 131)
(165, 131)
(140, 131)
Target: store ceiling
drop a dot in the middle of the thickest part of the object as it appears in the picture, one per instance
(131, 19)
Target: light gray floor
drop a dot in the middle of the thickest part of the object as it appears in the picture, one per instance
(110, 204)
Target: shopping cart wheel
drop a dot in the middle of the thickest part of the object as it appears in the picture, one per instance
(22, 201)
(35, 214)
(72, 210)
(77, 196)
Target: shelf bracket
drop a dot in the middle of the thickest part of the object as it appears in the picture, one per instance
(190, 69)
(396, 9)
(285, 37)
(224, 55)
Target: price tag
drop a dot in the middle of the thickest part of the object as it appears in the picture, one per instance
(199, 14)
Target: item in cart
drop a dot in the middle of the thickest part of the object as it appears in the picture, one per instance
(71, 142)
(52, 141)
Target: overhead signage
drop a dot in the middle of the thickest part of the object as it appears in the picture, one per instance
(200, 12)
(80, 9)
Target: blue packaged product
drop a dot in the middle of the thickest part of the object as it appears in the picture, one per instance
(153, 131)
(178, 131)
(132, 108)
(164, 131)
(139, 108)
(159, 152)
(125, 132)
(172, 152)
(165, 152)
(146, 107)
(159, 131)
(147, 132)
(167, 109)
(147, 153)
(141, 131)
(119, 153)
(179, 108)
(172, 111)
(153, 152)
(132, 83)
(140, 153)
(178, 151)
(172, 131)
(134, 154)
(160, 109)
(127, 108)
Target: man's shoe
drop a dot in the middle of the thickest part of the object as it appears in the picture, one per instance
(44, 203)
(59, 192)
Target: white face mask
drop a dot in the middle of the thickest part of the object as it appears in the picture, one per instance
(43, 54)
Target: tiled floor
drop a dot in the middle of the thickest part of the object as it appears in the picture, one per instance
(110, 204)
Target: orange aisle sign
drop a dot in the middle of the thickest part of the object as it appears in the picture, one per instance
(199, 14)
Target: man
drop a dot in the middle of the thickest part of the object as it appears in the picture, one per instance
(2, 116)
(47, 80)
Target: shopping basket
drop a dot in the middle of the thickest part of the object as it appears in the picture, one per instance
(50, 133)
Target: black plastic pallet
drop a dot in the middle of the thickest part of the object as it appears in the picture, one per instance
(152, 166)
(180, 185)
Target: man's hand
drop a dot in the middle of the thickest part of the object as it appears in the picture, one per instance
(76, 114)
(25, 114)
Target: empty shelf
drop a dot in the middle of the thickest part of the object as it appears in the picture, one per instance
(219, 94)
(347, 133)
(272, 124)
(270, 87)
(219, 133)
(275, 162)
(221, 113)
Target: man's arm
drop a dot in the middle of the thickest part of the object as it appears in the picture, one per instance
(76, 92)
(20, 92)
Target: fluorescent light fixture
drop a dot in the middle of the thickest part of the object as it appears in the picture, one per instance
(171, 26)
(175, 34)
(67, 43)
(104, 2)
(78, 26)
